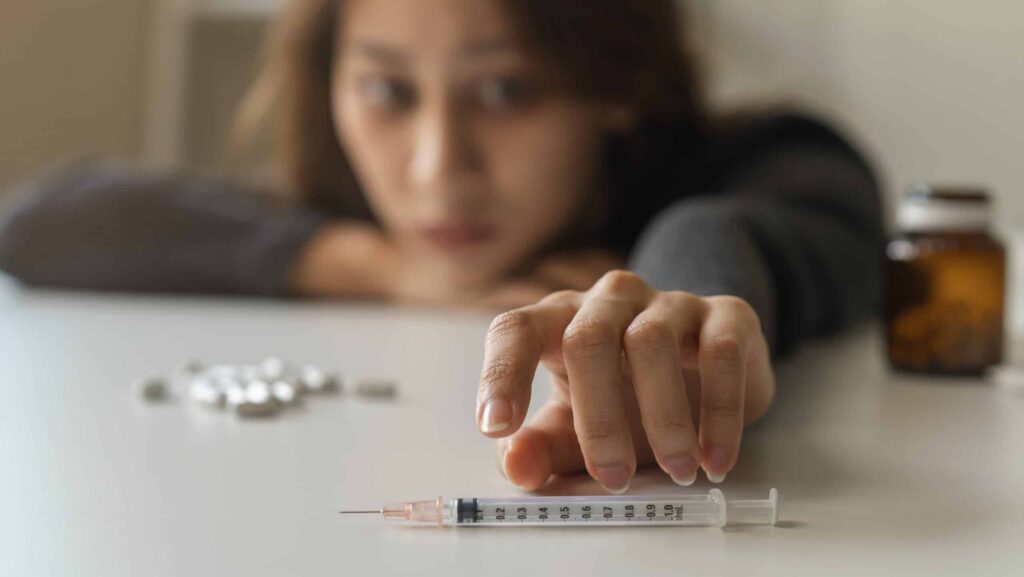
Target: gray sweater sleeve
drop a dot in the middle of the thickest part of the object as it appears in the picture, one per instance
(798, 233)
(796, 230)
(100, 225)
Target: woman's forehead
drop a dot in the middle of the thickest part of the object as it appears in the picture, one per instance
(464, 28)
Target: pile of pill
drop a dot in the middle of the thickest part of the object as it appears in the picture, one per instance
(258, 390)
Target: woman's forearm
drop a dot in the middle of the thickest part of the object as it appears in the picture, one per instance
(798, 235)
(342, 260)
(104, 226)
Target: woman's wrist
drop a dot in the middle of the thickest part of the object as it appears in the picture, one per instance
(342, 260)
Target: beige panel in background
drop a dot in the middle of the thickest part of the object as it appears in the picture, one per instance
(225, 57)
(71, 81)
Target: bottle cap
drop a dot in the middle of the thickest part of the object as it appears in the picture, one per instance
(928, 208)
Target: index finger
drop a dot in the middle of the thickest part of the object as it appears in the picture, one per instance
(516, 341)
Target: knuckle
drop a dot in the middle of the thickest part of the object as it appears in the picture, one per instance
(740, 310)
(681, 299)
(621, 281)
(726, 347)
(599, 429)
(723, 406)
(562, 296)
(510, 322)
(586, 335)
(730, 301)
(669, 424)
(649, 335)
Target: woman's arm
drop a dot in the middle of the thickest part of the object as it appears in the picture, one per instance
(796, 231)
(792, 227)
(100, 225)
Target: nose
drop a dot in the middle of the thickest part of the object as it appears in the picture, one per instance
(442, 152)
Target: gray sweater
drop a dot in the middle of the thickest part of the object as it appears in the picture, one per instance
(784, 214)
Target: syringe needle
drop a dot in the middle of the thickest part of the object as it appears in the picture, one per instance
(376, 512)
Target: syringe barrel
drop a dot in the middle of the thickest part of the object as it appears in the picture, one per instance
(670, 510)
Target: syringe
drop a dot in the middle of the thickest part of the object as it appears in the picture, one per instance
(711, 509)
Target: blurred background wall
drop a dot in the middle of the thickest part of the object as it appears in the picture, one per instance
(934, 88)
(71, 81)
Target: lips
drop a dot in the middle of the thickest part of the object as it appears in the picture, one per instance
(454, 235)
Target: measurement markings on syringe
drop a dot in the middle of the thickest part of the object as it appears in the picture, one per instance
(511, 512)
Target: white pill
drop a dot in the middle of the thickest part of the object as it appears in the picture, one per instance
(284, 392)
(316, 381)
(273, 368)
(377, 388)
(203, 390)
(234, 396)
(154, 389)
(249, 373)
(234, 391)
(294, 382)
(258, 401)
(257, 392)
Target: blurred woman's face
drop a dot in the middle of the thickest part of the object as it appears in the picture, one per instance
(469, 154)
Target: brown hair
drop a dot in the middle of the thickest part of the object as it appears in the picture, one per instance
(624, 51)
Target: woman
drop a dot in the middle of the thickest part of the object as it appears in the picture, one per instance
(517, 153)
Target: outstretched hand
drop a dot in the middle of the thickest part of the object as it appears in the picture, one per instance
(640, 376)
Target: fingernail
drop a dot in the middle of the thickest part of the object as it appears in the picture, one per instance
(614, 479)
(504, 462)
(683, 470)
(497, 416)
(715, 464)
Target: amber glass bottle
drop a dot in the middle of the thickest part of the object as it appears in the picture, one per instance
(946, 273)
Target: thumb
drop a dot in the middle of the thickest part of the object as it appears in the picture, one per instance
(546, 446)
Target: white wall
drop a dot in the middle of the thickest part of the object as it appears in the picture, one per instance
(71, 81)
(934, 87)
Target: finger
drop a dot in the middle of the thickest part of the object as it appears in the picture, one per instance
(515, 342)
(653, 348)
(592, 349)
(544, 447)
(725, 344)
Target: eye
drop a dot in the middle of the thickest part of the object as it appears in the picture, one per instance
(386, 93)
(504, 93)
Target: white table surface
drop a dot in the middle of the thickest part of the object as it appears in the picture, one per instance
(877, 474)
